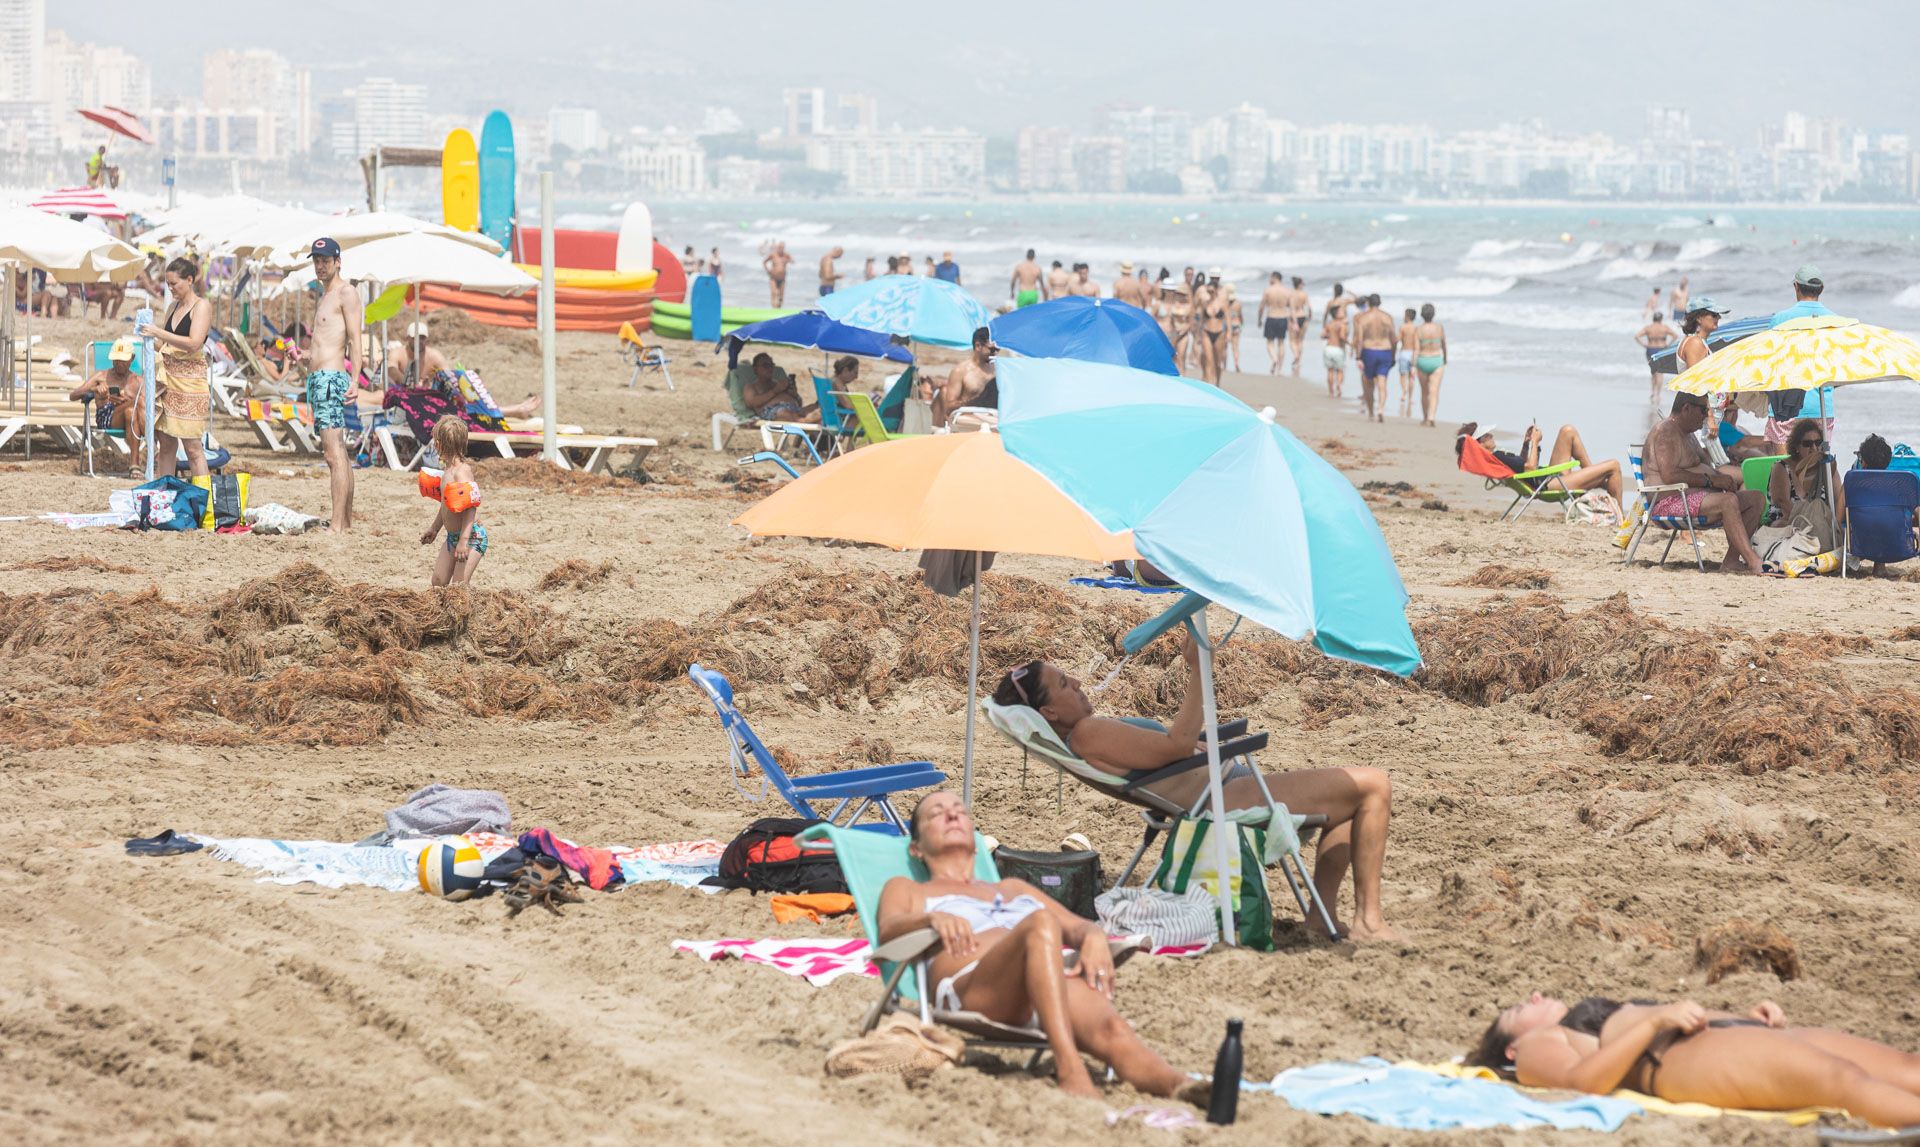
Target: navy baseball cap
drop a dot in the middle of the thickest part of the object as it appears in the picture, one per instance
(325, 247)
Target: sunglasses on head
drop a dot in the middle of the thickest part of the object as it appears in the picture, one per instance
(1015, 677)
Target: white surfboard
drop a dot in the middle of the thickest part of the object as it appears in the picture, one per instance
(634, 250)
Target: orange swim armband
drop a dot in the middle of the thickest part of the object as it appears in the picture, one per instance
(430, 484)
(460, 497)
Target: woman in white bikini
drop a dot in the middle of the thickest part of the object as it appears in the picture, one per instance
(1002, 955)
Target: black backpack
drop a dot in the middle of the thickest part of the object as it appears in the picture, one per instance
(764, 858)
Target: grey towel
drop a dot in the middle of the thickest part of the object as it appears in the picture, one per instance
(951, 571)
(441, 809)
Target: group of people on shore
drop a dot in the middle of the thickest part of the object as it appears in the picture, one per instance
(1355, 326)
(775, 260)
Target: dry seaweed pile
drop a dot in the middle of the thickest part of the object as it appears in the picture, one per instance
(297, 657)
(1498, 576)
(1742, 944)
(1649, 691)
(574, 573)
(73, 565)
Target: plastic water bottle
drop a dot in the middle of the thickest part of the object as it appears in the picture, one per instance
(1224, 1103)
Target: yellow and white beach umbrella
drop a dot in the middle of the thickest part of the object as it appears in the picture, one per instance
(1805, 354)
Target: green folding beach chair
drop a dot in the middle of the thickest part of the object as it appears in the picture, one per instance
(871, 428)
(868, 860)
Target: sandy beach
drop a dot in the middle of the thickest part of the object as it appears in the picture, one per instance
(1599, 766)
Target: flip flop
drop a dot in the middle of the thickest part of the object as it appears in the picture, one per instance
(168, 843)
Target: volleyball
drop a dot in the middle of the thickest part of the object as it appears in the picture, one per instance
(451, 868)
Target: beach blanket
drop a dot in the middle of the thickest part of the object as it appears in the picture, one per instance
(1650, 1103)
(1408, 1097)
(395, 866)
(111, 520)
(821, 962)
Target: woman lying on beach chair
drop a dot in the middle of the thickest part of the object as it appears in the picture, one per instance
(1686, 1053)
(1002, 955)
(1357, 802)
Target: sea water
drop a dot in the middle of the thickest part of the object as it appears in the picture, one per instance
(1540, 303)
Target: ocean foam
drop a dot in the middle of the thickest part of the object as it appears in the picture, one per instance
(1420, 286)
(1562, 258)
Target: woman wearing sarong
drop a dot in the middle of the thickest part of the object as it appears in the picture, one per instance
(181, 402)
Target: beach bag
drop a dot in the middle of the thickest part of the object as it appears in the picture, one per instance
(1072, 878)
(1778, 545)
(1904, 459)
(1167, 919)
(183, 512)
(898, 1045)
(226, 499)
(1784, 405)
(1188, 862)
(764, 858)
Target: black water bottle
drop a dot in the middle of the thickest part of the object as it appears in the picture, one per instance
(1224, 1103)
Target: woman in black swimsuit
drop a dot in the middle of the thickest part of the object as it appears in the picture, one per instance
(1686, 1053)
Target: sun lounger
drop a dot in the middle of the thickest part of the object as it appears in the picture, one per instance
(1546, 484)
(589, 453)
(869, 861)
(854, 792)
(1026, 728)
(1880, 509)
(1650, 496)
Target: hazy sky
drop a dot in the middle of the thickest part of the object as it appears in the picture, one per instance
(994, 66)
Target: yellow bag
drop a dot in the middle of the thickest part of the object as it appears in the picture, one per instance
(226, 499)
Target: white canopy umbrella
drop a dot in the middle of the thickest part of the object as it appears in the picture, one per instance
(428, 258)
(291, 245)
(69, 252)
(206, 221)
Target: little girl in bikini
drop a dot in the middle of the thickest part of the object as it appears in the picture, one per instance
(459, 512)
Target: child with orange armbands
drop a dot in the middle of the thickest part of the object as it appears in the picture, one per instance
(459, 512)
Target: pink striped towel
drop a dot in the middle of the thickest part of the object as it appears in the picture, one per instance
(821, 963)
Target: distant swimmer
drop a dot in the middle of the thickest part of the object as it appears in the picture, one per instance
(1275, 315)
(1082, 283)
(1127, 289)
(776, 264)
(1403, 359)
(1058, 280)
(1429, 361)
(1677, 298)
(1302, 310)
(1028, 285)
(1375, 333)
(1655, 337)
(1652, 304)
(830, 278)
(713, 265)
(690, 263)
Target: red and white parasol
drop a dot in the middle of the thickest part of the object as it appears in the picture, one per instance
(119, 120)
(80, 201)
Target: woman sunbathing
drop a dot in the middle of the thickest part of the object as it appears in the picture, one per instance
(1002, 954)
(1357, 802)
(1686, 1053)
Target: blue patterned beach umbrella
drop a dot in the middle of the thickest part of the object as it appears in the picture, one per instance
(911, 306)
(1218, 496)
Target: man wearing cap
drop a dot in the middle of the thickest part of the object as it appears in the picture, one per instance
(116, 396)
(336, 341)
(1807, 287)
(1127, 289)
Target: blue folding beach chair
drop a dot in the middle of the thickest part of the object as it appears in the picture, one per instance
(1650, 496)
(853, 791)
(1880, 508)
(838, 422)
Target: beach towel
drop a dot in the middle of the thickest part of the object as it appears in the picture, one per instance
(597, 866)
(442, 809)
(1408, 1097)
(820, 962)
(393, 867)
(1650, 1103)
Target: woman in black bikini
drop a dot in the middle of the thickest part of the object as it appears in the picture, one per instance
(1686, 1053)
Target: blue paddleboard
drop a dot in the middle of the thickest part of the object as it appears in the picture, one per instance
(703, 309)
(496, 177)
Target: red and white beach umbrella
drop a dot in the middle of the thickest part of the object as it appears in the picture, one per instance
(80, 201)
(120, 121)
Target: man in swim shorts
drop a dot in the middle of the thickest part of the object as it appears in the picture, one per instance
(1374, 331)
(1274, 314)
(1028, 285)
(336, 339)
(776, 266)
(1334, 332)
(1299, 312)
(1653, 338)
(830, 278)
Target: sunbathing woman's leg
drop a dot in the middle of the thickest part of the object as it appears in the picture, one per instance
(1604, 476)
(1104, 1033)
(1023, 975)
(1358, 804)
(1568, 446)
(1778, 1071)
(526, 409)
(1887, 1064)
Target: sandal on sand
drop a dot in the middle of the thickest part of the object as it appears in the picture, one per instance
(168, 843)
(540, 881)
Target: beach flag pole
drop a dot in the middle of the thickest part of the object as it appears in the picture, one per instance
(548, 424)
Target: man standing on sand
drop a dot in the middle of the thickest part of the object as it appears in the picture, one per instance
(1300, 312)
(1655, 337)
(1082, 284)
(1058, 279)
(947, 271)
(971, 382)
(1674, 456)
(1274, 316)
(1677, 298)
(1334, 333)
(1374, 331)
(829, 277)
(776, 264)
(1127, 289)
(335, 342)
(1028, 285)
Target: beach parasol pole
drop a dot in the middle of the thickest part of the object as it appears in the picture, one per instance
(1216, 792)
(28, 328)
(150, 370)
(973, 686)
(549, 424)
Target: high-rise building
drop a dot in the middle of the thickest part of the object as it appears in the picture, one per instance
(902, 162)
(576, 129)
(23, 38)
(241, 80)
(75, 74)
(1100, 164)
(1249, 148)
(854, 111)
(720, 121)
(666, 162)
(806, 111)
(214, 133)
(1044, 159)
(387, 113)
(1158, 139)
